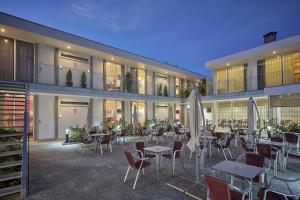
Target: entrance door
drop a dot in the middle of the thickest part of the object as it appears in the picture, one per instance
(46, 117)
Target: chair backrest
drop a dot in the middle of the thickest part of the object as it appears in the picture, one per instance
(291, 138)
(130, 159)
(113, 135)
(177, 145)
(169, 128)
(264, 150)
(160, 131)
(218, 189)
(106, 138)
(124, 132)
(276, 139)
(176, 131)
(255, 160)
(140, 147)
(243, 143)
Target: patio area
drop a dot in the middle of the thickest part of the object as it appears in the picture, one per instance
(61, 172)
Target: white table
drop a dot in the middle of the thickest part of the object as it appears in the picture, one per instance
(157, 150)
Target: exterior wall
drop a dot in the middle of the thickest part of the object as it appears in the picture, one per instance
(150, 110)
(97, 112)
(171, 86)
(252, 75)
(97, 73)
(150, 83)
(71, 115)
(45, 64)
(127, 111)
(46, 117)
(76, 67)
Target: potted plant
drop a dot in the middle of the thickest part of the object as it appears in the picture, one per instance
(83, 80)
(69, 78)
(166, 91)
(160, 90)
(128, 81)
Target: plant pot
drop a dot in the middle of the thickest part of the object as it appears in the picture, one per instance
(83, 85)
(69, 83)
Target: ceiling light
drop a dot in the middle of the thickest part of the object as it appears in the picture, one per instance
(88, 71)
(5, 40)
(227, 64)
(2, 30)
(112, 58)
(69, 47)
(274, 52)
(166, 72)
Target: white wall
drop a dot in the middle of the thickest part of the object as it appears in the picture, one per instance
(76, 67)
(149, 110)
(98, 73)
(127, 112)
(172, 86)
(45, 64)
(97, 112)
(150, 83)
(252, 75)
(71, 115)
(46, 117)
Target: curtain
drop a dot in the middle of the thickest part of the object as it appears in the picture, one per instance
(273, 71)
(291, 68)
(221, 81)
(236, 79)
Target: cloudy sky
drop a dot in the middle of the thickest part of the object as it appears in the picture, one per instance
(181, 32)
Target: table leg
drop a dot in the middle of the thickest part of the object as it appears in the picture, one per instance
(210, 149)
(250, 190)
(157, 166)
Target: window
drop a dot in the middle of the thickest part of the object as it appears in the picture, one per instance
(113, 111)
(221, 81)
(161, 85)
(178, 87)
(113, 76)
(24, 61)
(291, 64)
(161, 112)
(269, 72)
(236, 79)
(141, 81)
(138, 114)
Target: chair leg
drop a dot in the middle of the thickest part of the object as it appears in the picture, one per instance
(143, 171)
(126, 174)
(101, 148)
(173, 166)
(136, 178)
(110, 148)
(229, 153)
(224, 154)
(191, 154)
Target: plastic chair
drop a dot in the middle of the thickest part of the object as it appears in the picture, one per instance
(175, 154)
(269, 152)
(106, 139)
(224, 146)
(139, 146)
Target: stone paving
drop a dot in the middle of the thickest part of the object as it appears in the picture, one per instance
(62, 172)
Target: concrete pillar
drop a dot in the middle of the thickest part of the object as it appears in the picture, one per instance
(56, 66)
(91, 73)
(56, 116)
(127, 112)
(36, 62)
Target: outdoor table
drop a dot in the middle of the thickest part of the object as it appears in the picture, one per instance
(241, 170)
(157, 150)
(150, 132)
(209, 139)
(281, 145)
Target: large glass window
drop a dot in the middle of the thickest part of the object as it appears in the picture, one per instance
(291, 67)
(177, 111)
(24, 61)
(273, 71)
(236, 79)
(141, 81)
(113, 76)
(178, 87)
(113, 111)
(221, 81)
(138, 113)
(161, 85)
(161, 112)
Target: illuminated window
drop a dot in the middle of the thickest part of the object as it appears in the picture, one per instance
(161, 82)
(178, 87)
(113, 76)
(161, 112)
(138, 113)
(236, 79)
(141, 81)
(221, 81)
(113, 111)
(291, 68)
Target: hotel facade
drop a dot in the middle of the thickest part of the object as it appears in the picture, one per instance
(55, 64)
(270, 73)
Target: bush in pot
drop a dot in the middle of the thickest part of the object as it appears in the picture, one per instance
(83, 80)
(69, 78)
(128, 81)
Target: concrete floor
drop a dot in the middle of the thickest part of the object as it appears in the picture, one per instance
(62, 172)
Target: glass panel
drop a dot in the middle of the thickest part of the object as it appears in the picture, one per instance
(141, 81)
(177, 87)
(161, 112)
(138, 113)
(273, 71)
(113, 76)
(160, 83)
(221, 81)
(291, 68)
(177, 112)
(236, 79)
(113, 111)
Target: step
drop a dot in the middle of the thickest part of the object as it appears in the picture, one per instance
(10, 143)
(10, 176)
(11, 120)
(16, 101)
(11, 135)
(10, 164)
(10, 97)
(10, 104)
(12, 89)
(10, 127)
(13, 94)
(10, 153)
(10, 190)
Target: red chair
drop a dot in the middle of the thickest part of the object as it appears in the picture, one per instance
(221, 190)
(177, 133)
(159, 135)
(139, 146)
(138, 164)
(269, 152)
(175, 154)
(106, 139)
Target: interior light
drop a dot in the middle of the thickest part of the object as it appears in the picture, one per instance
(166, 72)
(2, 30)
(60, 66)
(274, 52)
(69, 47)
(5, 40)
(112, 58)
(227, 64)
(88, 71)
(188, 106)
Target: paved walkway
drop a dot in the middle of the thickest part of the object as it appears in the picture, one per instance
(62, 172)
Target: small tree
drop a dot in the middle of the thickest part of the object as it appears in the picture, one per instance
(69, 78)
(83, 80)
(165, 91)
(160, 88)
(128, 81)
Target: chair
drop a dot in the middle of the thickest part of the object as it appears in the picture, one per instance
(177, 133)
(138, 164)
(168, 130)
(269, 193)
(224, 146)
(269, 152)
(87, 142)
(159, 135)
(106, 139)
(292, 140)
(245, 145)
(139, 146)
(124, 135)
(175, 154)
(219, 189)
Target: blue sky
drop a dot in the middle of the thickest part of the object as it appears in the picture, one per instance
(182, 32)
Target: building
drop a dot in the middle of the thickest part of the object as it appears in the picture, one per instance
(67, 74)
(270, 73)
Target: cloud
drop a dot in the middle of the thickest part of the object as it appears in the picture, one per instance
(114, 15)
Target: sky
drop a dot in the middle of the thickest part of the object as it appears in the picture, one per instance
(186, 33)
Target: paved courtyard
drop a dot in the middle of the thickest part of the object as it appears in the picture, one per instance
(62, 172)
